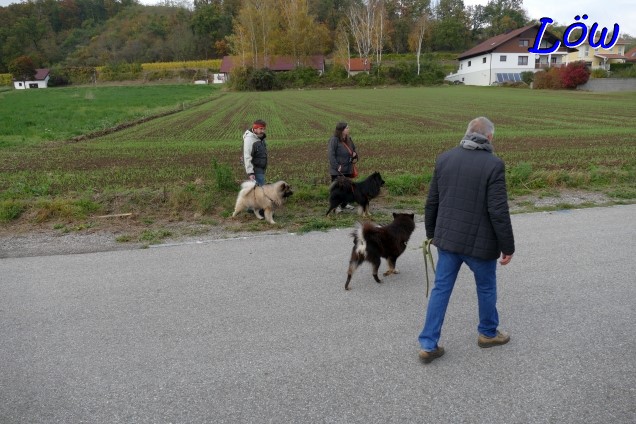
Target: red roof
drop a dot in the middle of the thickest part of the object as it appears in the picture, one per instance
(275, 63)
(41, 74)
(359, 64)
(496, 41)
(631, 55)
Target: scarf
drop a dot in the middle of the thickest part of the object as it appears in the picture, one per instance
(475, 141)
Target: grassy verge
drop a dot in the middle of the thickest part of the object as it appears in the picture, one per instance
(184, 167)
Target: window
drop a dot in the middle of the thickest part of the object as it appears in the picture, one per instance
(524, 43)
(523, 60)
(502, 58)
(484, 60)
(545, 44)
(469, 63)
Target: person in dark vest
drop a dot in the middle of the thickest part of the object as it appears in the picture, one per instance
(467, 218)
(255, 152)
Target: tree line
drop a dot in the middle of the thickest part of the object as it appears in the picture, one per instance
(101, 32)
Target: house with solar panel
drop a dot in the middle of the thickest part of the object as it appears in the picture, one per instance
(503, 58)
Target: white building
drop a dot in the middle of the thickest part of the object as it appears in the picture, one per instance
(504, 57)
(40, 80)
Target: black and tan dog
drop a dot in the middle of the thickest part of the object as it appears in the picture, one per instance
(371, 242)
(344, 191)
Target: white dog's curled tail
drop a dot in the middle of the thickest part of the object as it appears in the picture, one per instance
(361, 243)
(249, 184)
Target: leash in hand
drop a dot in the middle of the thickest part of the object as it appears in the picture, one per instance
(428, 257)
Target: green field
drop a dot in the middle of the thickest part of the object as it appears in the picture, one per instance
(185, 166)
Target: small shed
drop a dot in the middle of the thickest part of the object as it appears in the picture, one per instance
(358, 65)
(40, 80)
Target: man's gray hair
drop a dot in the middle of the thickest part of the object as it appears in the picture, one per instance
(481, 125)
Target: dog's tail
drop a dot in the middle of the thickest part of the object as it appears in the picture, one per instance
(247, 185)
(341, 182)
(359, 241)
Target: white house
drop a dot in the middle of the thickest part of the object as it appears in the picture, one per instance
(40, 80)
(504, 57)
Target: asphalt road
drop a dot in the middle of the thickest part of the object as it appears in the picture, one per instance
(261, 330)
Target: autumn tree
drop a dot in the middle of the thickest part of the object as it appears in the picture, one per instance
(504, 15)
(253, 29)
(402, 15)
(210, 24)
(22, 68)
(299, 35)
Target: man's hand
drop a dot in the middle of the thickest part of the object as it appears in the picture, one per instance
(505, 259)
(252, 177)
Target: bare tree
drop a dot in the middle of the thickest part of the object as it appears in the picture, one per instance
(342, 52)
(378, 30)
(416, 38)
(366, 23)
(360, 19)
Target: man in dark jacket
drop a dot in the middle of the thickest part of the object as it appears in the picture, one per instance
(467, 217)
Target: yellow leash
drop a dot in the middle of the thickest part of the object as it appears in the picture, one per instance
(428, 256)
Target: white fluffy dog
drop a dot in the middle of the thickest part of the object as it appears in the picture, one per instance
(267, 198)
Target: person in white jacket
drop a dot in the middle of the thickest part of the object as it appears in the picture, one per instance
(255, 152)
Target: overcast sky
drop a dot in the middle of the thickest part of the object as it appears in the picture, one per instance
(604, 12)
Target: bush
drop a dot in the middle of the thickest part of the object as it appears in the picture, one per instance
(73, 75)
(5, 79)
(11, 210)
(614, 67)
(598, 73)
(550, 79)
(574, 74)
(625, 73)
(519, 175)
(223, 177)
(120, 72)
(263, 80)
(527, 77)
(250, 79)
(402, 72)
(299, 77)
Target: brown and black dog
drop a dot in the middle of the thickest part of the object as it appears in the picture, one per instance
(372, 242)
(344, 191)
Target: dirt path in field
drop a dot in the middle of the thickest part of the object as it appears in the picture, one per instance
(111, 233)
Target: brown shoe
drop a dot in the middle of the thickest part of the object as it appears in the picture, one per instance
(500, 339)
(428, 357)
